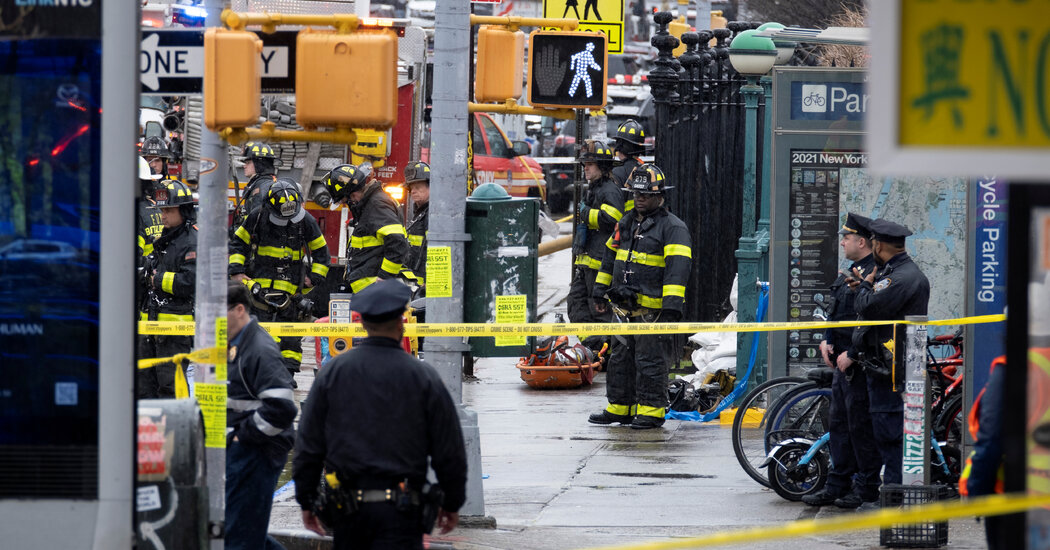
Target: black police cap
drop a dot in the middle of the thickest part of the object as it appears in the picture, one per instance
(856, 225)
(888, 232)
(381, 301)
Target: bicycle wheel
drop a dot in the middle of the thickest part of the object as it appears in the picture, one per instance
(791, 480)
(749, 425)
(801, 412)
(948, 424)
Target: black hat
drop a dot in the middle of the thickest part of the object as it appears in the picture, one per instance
(856, 225)
(381, 301)
(888, 232)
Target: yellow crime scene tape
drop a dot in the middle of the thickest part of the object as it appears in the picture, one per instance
(210, 356)
(350, 330)
(934, 512)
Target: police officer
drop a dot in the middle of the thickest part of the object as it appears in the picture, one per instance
(156, 153)
(379, 245)
(170, 277)
(345, 430)
(644, 273)
(417, 180)
(600, 211)
(259, 167)
(854, 476)
(281, 249)
(260, 409)
(896, 289)
(627, 146)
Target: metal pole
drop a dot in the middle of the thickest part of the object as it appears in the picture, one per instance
(448, 197)
(578, 182)
(747, 253)
(211, 289)
(916, 460)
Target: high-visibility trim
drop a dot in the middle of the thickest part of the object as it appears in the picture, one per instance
(645, 410)
(612, 211)
(280, 252)
(678, 250)
(415, 240)
(365, 242)
(243, 234)
(264, 426)
(293, 355)
(317, 243)
(147, 250)
(390, 267)
(319, 269)
(621, 410)
(392, 229)
(243, 404)
(278, 285)
(649, 301)
(674, 290)
(640, 258)
(360, 284)
(603, 278)
(628, 205)
(142, 242)
(167, 282)
(609, 244)
(237, 259)
(277, 393)
(409, 274)
(174, 317)
(592, 218)
(588, 262)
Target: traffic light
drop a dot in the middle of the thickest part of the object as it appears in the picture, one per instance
(346, 79)
(232, 72)
(499, 64)
(567, 69)
(677, 28)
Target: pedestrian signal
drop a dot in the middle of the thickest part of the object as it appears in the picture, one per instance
(232, 78)
(567, 69)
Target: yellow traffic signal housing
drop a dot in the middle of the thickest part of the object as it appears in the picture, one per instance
(500, 63)
(232, 72)
(346, 79)
(677, 28)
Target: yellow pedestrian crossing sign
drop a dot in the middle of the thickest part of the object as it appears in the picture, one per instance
(604, 16)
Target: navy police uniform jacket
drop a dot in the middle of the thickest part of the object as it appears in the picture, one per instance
(841, 306)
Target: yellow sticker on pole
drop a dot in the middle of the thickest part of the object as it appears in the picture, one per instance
(220, 344)
(439, 272)
(511, 309)
(212, 400)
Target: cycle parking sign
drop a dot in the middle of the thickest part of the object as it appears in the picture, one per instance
(828, 101)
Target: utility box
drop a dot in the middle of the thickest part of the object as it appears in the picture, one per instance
(500, 270)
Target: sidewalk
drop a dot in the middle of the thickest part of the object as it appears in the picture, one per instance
(553, 481)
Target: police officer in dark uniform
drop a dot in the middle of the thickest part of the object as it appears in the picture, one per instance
(644, 274)
(628, 144)
(600, 211)
(854, 476)
(417, 181)
(259, 167)
(346, 431)
(895, 290)
(170, 277)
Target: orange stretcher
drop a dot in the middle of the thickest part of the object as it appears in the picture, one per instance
(556, 365)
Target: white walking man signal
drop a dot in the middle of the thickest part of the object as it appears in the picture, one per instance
(579, 63)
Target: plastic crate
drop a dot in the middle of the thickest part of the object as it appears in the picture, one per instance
(916, 535)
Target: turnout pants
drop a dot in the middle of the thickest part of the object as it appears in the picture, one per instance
(636, 382)
(291, 346)
(854, 455)
(580, 305)
(159, 381)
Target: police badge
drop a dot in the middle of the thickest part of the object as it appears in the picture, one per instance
(882, 284)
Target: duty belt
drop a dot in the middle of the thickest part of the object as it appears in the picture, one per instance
(382, 495)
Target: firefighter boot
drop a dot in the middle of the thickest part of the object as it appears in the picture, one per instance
(645, 422)
(605, 417)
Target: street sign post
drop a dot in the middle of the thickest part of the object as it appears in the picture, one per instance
(567, 69)
(604, 16)
(172, 62)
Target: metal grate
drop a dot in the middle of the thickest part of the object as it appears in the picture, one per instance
(30, 471)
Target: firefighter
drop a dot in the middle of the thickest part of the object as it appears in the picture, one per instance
(149, 223)
(379, 244)
(417, 180)
(280, 253)
(259, 167)
(643, 278)
(628, 144)
(599, 212)
(895, 290)
(170, 276)
(156, 153)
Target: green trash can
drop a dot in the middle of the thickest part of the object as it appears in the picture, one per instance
(501, 268)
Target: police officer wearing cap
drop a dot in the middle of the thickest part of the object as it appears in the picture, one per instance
(854, 475)
(628, 144)
(417, 181)
(895, 290)
(259, 167)
(599, 212)
(375, 416)
(644, 273)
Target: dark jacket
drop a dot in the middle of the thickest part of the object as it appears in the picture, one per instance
(379, 245)
(650, 258)
(272, 254)
(174, 260)
(415, 267)
(252, 197)
(900, 289)
(987, 457)
(602, 209)
(841, 306)
(150, 226)
(620, 175)
(260, 407)
(374, 415)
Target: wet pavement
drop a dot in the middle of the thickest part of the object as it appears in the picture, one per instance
(553, 481)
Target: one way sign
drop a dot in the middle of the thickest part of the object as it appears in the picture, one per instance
(171, 62)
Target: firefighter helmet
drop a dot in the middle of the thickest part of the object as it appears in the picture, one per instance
(417, 171)
(169, 193)
(284, 198)
(255, 150)
(630, 137)
(595, 151)
(154, 146)
(345, 179)
(648, 179)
